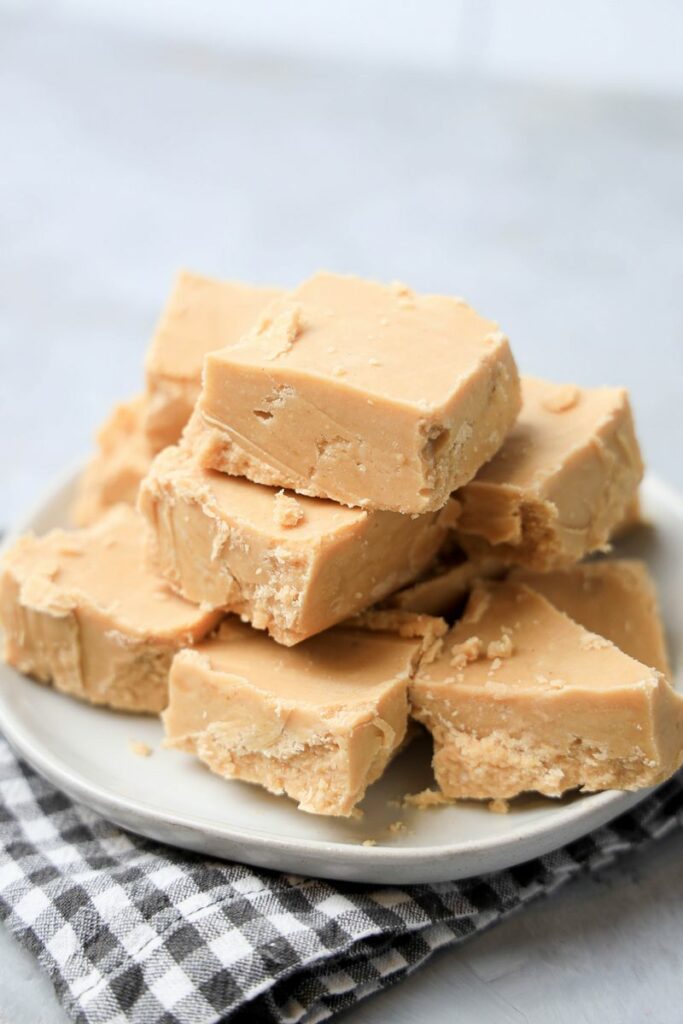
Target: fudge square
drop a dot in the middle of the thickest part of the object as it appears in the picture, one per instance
(318, 722)
(114, 473)
(523, 698)
(201, 314)
(615, 598)
(563, 481)
(80, 610)
(369, 395)
(291, 565)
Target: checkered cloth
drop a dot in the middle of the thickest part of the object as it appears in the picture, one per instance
(131, 931)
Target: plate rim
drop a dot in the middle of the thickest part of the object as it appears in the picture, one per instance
(597, 808)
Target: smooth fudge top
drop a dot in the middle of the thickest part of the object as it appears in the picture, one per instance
(512, 639)
(368, 394)
(203, 314)
(383, 340)
(557, 423)
(103, 567)
(344, 668)
(615, 598)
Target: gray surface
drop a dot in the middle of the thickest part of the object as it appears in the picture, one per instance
(557, 212)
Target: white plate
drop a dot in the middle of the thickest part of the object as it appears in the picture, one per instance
(171, 797)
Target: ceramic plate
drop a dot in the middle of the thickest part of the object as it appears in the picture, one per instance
(170, 797)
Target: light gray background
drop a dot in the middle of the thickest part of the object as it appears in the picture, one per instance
(554, 208)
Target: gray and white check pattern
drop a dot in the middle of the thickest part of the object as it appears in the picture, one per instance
(131, 931)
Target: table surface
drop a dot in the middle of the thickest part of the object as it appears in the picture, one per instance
(558, 212)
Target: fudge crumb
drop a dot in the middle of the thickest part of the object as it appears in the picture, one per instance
(499, 806)
(369, 842)
(563, 399)
(139, 748)
(495, 665)
(427, 798)
(594, 642)
(283, 329)
(496, 338)
(398, 826)
(466, 652)
(287, 512)
(502, 648)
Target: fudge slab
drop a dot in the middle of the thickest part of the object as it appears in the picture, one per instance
(523, 698)
(370, 395)
(201, 314)
(114, 473)
(318, 722)
(289, 564)
(615, 598)
(562, 482)
(80, 610)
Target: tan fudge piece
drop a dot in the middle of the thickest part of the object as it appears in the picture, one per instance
(523, 698)
(80, 610)
(615, 598)
(319, 722)
(369, 395)
(114, 473)
(222, 541)
(445, 585)
(562, 481)
(201, 314)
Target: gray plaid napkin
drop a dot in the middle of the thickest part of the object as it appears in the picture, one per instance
(131, 931)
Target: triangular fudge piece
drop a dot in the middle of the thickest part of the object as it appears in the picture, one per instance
(523, 698)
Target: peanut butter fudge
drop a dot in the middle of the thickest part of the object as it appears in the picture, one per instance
(318, 722)
(114, 473)
(561, 483)
(615, 598)
(289, 564)
(370, 395)
(202, 314)
(443, 588)
(80, 610)
(523, 698)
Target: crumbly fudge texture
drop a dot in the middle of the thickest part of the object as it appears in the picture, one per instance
(201, 314)
(293, 569)
(114, 473)
(80, 610)
(370, 395)
(615, 598)
(561, 483)
(318, 722)
(521, 697)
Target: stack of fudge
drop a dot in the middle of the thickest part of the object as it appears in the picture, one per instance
(339, 508)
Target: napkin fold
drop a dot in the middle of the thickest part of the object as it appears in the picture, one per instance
(136, 932)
